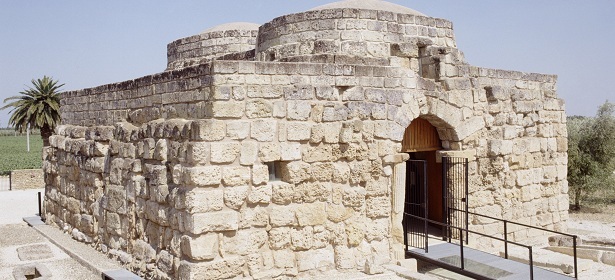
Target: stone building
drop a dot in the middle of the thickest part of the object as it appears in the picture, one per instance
(281, 150)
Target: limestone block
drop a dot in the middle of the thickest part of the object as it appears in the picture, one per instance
(114, 199)
(344, 258)
(354, 197)
(260, 174)
(338, 213)
(237, 130)
(298, 110)
(249, 152)
(317, 153)
(529, 176)
(165, 261)
(269, 152)
(297, 131)
(141, 250)
(355, 230)
(378, 207)
(340, 172)
(378, 187)
(322, 171)
(376, 229)
(212, 221)
(236, 175)
(202, 175)
(332, 132)
(315, 259)
(279, 109)
(530, 192)
(197, 152)
(200, 200)
(227, 109)
(302, 239)
(279, 238)
(500, 147)
(243, 242)
(258, 108)
(284, 258)
(280, 216)
(335, 114)
(200, 248)
(263, 131)
(113, 223)
(311, 214)
(235, 197)
(296, 171)
(161, 150)
(311, 191)
(282, 193)
(208, 130)
(221, 269)
(290, 151)
(260, 194)
(224, 152)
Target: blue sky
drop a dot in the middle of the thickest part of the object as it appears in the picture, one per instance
(90, 43)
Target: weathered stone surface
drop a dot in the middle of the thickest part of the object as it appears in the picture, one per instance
(212, 221)
(202, 175)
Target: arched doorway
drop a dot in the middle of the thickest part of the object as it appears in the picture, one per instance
(421, 141)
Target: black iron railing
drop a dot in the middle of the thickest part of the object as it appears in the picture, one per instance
(462, 247)
(506, 222)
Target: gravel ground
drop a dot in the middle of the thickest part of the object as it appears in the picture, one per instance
(14, 234)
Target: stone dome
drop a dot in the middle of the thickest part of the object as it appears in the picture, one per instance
(369, 5)
(233, 26)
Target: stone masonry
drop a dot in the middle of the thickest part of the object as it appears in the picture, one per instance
(275, 151)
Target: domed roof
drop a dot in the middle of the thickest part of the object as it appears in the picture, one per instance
(369, 5)
(233, 26)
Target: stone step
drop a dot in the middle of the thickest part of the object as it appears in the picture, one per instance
(548, 259)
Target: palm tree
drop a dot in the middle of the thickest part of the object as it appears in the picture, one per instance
(37, 107)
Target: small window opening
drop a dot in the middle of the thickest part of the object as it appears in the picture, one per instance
(275, 173)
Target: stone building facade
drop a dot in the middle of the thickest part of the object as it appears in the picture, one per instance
(276, 151)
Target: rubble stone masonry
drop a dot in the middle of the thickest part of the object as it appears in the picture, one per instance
(284, 163)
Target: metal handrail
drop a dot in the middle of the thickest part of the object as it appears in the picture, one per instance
(461, 230)
(506, 222)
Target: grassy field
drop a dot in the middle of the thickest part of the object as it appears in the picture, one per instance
(14, 154)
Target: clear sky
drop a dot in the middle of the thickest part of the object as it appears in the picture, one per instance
(90, 43)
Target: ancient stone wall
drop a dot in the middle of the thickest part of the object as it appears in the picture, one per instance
(279, 168)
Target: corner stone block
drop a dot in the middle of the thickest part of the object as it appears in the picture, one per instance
(212, 222)
(202, 176)
(200, 200)
(201, 248)
(208, 130)
(197, 152)
(224, 152)
(221, 269)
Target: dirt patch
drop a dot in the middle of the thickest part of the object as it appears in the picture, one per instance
(602, 213)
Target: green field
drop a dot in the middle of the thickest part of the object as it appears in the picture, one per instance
(14, 153)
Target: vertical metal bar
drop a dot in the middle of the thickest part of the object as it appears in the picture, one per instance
(10, 181)
(444, 187)
(461, 247)
(574, 245)
(39, 205)
(426, 208)
(531, 264)
(467, 197)
(505, 239)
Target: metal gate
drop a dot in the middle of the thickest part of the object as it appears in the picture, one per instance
(454, 196)
(416, 209)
